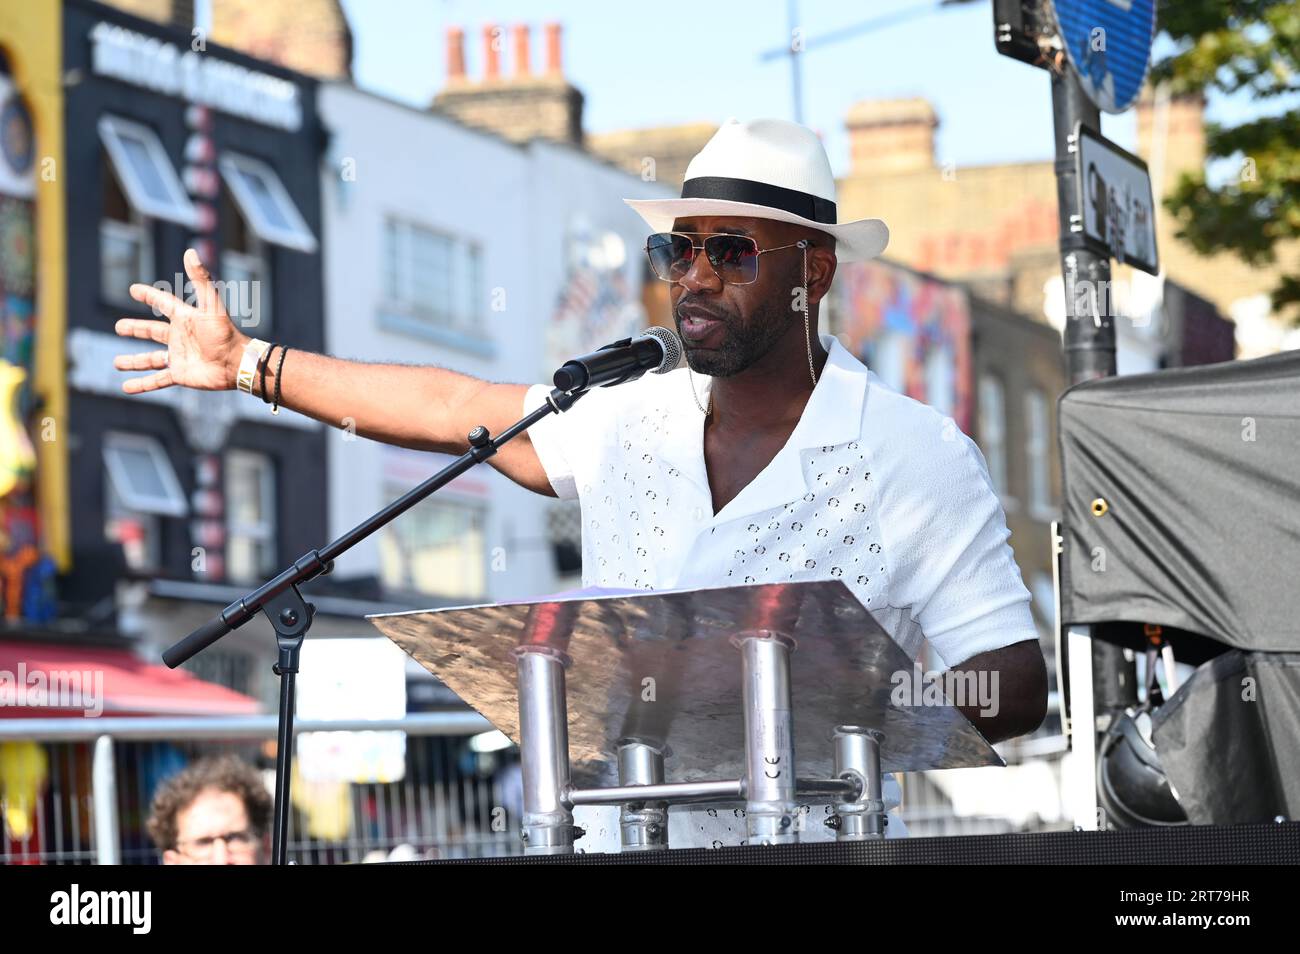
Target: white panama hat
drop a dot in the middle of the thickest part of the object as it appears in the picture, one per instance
(766, 169)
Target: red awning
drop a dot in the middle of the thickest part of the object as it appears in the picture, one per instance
(39, 680)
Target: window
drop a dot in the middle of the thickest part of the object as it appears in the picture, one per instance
(250, 516)
(141, 487)
(142, 475)
(432, 277)
(265, 202)
(139, 533)
(145, 171)
(993, 431)
(437, 547)
(125, 244)
(245, 272)
(1036, 452)
(564, 528)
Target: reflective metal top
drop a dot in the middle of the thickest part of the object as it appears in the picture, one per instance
(660, 667)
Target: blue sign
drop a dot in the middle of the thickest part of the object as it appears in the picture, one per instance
(1109, 44)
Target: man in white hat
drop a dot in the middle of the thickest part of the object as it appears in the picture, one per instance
(789, 461)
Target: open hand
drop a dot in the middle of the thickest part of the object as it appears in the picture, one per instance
(203, 346)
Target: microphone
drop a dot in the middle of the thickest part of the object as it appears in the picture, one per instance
(657, 350)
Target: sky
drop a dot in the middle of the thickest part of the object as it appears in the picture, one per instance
(637, 65)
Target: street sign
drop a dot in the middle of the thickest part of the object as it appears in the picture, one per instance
(1109, 45)
(1118, 217)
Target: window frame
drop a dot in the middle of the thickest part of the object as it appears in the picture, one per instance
(139, 229)
(173, 503)
(993, 438)
(263, 532)
(115, 509)
(465, 278)
(480, 510)
(1038, 460)
(298, 236)
(178, 208)
(257, 262)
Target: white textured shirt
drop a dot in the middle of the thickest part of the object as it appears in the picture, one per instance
(872, 488)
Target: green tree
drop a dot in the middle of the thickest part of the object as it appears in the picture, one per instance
(1249, 47)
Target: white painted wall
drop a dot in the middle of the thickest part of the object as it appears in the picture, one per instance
(518, 203)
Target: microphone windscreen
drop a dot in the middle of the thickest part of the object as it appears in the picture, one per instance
(672, 347)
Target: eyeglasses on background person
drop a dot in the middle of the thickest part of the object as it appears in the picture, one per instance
(243, 841)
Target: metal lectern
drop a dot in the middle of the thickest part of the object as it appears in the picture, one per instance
(662, 697)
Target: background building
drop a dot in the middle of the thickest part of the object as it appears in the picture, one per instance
(306, 36)
(203, 494)
(995, 373)
(995, 227)
(480, 229)
(486, 251)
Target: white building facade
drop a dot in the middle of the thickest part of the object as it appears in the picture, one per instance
(450, 246)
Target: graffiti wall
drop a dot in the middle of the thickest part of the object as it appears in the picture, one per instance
(912, 331)
(26, 573)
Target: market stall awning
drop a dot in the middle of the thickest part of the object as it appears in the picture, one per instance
(39, 680)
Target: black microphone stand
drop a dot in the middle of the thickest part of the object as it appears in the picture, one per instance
(282, 603)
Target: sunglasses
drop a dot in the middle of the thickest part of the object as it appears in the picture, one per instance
(734, 258)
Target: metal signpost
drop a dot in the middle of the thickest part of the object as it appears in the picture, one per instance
(1097, 52)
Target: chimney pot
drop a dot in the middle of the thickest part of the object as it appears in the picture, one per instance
(455, 55)
(554, 51)
(523, 64)
(492, 52)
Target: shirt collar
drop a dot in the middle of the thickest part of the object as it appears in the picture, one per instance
(832, 416)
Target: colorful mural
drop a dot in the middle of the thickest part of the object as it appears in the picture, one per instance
(596, 303)
(33, 276)
(26, 572)
(912, 331)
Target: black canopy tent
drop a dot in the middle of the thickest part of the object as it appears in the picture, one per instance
(1181, 508)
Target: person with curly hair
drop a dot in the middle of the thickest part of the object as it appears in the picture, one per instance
(215, 812)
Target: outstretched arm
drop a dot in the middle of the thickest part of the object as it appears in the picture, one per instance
(425, 408)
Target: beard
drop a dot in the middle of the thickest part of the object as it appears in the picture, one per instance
(741, 342)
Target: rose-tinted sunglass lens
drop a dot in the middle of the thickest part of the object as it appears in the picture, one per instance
(670, 255)
(733, 257)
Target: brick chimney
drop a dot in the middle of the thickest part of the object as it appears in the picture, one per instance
(1180, 127)
(889, 136)
(521, 105)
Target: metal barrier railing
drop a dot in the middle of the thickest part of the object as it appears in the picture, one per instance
(97, 777)
(81, 793)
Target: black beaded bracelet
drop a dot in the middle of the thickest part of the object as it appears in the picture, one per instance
(266, 359)
(275, 408)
